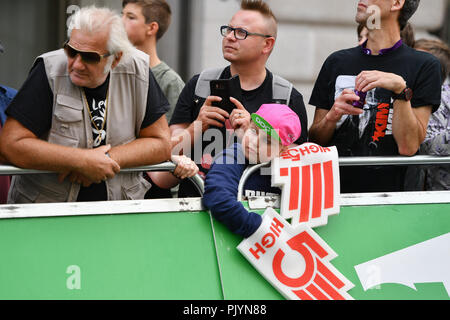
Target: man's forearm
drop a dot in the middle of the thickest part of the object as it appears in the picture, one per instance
(409, 126)
(30, 153)
(322, 131)
(142, 152)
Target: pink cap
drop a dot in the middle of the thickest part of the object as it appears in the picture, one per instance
(278, 119)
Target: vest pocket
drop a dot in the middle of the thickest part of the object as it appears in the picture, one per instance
(42, 188)
(21, 193)
(62, 140)
(137, 190)
(68, 118)
(68, 109)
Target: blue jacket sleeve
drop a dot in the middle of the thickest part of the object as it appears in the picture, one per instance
(221, 188)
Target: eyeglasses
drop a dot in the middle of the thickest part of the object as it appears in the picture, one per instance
(239, 33)
(87, 57)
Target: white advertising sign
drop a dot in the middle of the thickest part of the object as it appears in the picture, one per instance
(426, 262)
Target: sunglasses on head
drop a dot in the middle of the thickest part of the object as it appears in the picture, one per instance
(87, 57)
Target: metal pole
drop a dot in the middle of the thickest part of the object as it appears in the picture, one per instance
(166, 166)
(392, 161)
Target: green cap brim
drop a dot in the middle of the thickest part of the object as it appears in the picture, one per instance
(265, 126)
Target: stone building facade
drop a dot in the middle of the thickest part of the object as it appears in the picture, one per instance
(308, 32)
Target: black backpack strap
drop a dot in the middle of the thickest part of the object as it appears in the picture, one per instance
(281, 90)
(202, 88)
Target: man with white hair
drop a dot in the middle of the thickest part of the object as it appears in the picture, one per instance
(86, 112)
(376, 99)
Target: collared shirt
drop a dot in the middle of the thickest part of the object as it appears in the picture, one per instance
(368, 52)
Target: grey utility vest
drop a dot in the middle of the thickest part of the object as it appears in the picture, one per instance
(71, 127)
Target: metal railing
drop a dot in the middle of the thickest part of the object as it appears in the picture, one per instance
(392, 161)
(358, 161)
(166, 166)
(199, 183)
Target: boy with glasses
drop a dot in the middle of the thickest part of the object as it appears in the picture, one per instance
(248, 41)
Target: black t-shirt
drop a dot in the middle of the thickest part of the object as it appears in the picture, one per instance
(371, 133)
(33, 108)
(97, 101)
(188, 109)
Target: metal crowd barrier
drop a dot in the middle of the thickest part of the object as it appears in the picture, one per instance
(166, 166)
(358, 161)
(199, 183)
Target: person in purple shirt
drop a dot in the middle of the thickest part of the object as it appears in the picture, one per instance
(376, 99)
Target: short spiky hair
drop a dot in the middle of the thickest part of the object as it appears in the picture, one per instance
(154, 11)
(258, 5)
(409, 8)
(263, 8)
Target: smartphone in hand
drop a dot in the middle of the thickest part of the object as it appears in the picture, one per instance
(226, 88)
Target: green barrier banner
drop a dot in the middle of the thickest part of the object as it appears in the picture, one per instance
(388, 252)
(180, 254)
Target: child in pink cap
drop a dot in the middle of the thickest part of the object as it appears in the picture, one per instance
(273, 130)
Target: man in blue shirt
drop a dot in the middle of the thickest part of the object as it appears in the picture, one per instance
(6, 95)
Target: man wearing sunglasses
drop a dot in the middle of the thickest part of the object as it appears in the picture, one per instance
(86, 112)
(248, 41)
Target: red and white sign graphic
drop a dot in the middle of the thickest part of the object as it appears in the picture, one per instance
(309, 178)
(296, 261)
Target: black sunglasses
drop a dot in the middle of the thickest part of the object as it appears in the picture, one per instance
(239, 33)
(87, 57)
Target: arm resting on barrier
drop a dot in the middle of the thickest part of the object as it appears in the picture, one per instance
(151, 147)
(185, 168)
(24, 149)
(220, 196)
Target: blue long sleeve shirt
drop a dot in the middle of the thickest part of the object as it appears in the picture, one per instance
(221, 188)
(6, 96)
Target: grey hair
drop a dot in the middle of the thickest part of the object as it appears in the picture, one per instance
(409, 8)
(92, 19)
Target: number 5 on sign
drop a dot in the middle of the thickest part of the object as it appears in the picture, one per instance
(296, 261)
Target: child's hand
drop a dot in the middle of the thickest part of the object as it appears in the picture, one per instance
(186, 168)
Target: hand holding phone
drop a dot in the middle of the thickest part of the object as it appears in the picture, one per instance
(226, 88)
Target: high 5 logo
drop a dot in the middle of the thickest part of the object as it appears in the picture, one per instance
(296, 261)
(292, 257)
(309, 178)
